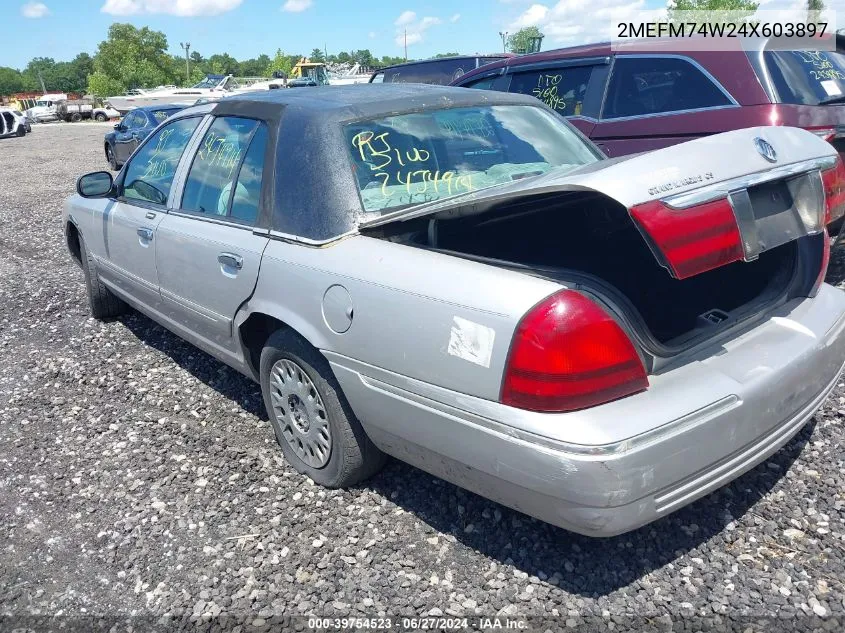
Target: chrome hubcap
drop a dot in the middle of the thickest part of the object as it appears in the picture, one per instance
(300, 412)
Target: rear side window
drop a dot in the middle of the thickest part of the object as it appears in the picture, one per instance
(438, 72)
(653, 85)
(806, 77)
(150, 172)
(378, 78)
(162, 115)
(208, 188)
(562, 89)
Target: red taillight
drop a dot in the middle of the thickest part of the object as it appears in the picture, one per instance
(692, 240)
(825, 263)
(568, 354)
(826, 133)
(834, 191)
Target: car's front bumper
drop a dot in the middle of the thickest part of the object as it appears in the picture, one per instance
(613, 468)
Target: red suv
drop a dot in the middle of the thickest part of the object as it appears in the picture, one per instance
(647, 95)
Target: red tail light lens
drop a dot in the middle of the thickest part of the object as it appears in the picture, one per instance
(834, 191)
(568, 354)
(692, 240)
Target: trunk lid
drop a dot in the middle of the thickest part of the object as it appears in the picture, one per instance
(700, 204)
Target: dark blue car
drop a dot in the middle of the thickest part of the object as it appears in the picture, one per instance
(134, 128)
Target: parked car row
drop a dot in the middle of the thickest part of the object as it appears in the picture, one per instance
(646, 96)
(471, 286)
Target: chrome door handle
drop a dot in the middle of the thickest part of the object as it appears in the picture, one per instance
(231, 260)
(145, 234)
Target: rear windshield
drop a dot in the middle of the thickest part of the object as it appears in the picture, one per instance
(806, 77)
(161, 115)
(410, 159)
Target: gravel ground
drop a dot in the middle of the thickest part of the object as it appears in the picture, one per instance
(139, 477)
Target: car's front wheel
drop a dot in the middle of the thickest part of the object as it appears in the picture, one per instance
(101, 117)
(21, 131)
(314, 424)
(102, 302)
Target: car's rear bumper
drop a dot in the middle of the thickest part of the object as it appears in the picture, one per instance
(698, 427)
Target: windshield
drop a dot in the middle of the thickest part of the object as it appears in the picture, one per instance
(42, 103)
(806, 77)
(410, 159)
(208, 82)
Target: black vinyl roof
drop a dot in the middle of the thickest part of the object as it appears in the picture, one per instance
(341, 103)
(309, 191)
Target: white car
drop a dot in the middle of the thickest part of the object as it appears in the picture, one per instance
(13, 123)
(105, 113)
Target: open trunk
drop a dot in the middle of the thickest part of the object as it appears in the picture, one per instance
(589, 241)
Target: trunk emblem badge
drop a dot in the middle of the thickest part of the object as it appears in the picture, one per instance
(766, 150)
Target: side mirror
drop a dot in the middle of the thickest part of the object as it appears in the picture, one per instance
(98, 184)
(119, 127)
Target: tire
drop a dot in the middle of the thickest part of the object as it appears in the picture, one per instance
(111, 158)
(75, 117)
(21, 131)
(101, 301)
(348, 456)
(102, 118)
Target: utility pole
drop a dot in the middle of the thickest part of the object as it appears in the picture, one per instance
(504, 36)
(325, 52)
(406, 44)
(41, 79)
(186, 46)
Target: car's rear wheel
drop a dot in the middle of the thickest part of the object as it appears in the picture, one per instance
(314, 424)
(21, 131)
(75, 117)
(111, 157)
(101, 301)
(101, 117)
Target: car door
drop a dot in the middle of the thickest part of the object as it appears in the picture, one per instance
(207, 253)
(8, 123)
(654, 101)
(571, 87)
(129, 224)
(125, 135)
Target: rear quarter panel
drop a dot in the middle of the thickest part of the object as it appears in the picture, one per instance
(439, 319)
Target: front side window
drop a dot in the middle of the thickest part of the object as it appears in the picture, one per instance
(378, 78)
(653, 85)
(208, 188)
(410, 159)
(135, 120)
(807, 77)
(561, 88)
(150, 172)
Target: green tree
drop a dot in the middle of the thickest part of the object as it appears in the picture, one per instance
(101, 85)
(746, 7)
(317, 55)
(37, 69)
(11, 81)
(520, 42)
(223, 64)
(132, 58)
(344, 58)
(363, 57)
(814, 9)
(254, 67)
(281, 63)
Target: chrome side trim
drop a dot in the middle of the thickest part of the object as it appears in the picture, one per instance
(287, 237)
(193, 307)
(723, 189)
(652, 115)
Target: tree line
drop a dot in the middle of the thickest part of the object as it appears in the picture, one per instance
(132, 57)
